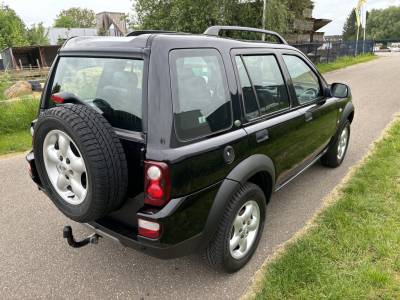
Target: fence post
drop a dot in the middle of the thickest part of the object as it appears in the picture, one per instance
(38, 64)
(329, 52)
(20, 64)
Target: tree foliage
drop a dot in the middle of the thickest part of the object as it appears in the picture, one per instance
(196, 16)
(37, 35)
(384, 23)
(381, 24)
(350, 27)
(76, 17)
(12, 29)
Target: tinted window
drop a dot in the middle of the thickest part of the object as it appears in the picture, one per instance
(263, 86)
(251, 105)
(201, 97)
(112, 85)
(306, 83)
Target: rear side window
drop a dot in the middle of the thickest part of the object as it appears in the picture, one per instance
(305, 82)
(200, 93)
(263, 87)
(112, 85)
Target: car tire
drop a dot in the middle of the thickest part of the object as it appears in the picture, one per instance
(336, 153)
(219, 253)
(80, 161)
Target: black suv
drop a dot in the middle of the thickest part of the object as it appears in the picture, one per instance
(173, 143)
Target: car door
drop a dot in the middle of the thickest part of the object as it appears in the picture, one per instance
(270, 117)
(319, 112)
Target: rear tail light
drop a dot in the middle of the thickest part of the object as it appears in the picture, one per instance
(157, 185)
(57, 98)
(149, 229)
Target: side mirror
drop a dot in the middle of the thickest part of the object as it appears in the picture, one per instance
(340, 90)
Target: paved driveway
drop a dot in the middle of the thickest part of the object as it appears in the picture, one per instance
(36, 262)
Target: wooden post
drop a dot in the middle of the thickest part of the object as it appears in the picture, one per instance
(20, 64)
(38, 63)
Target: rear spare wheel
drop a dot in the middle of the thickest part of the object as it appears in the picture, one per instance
(80, 162)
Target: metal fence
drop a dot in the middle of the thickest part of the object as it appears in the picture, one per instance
(324, 52)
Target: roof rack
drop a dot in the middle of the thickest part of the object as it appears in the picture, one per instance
(215, 30)
(140, 32)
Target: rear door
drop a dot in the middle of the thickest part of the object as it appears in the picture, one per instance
(270, 116)
(319, 112)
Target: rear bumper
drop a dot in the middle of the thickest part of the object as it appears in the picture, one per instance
(182, 221)
(30, 158)
(150, 247)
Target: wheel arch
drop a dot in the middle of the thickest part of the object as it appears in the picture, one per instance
(258, 169)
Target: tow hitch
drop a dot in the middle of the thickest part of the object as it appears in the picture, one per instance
(91, 239)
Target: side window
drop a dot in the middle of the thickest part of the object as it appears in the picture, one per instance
(306, 83)
(200, 93)
(263, 86)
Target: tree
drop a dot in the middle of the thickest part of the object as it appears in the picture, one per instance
(350, 27)
(384, 23)
(196, 16)
(76, 17)
(37, 35)
(12, 29)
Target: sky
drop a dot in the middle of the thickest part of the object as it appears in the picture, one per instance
(46, 10)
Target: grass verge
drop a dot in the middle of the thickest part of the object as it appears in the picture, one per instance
(15, 119)
(15, 142)
(345, 61)
(352, 250)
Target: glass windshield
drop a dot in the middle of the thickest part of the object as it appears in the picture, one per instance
(112, 85)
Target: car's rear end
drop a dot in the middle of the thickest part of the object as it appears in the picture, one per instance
(98, 81)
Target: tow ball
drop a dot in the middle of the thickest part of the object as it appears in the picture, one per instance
(91, 239)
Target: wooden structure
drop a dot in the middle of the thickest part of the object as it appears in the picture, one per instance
(29, 57)
(111, 24)
(305, 29)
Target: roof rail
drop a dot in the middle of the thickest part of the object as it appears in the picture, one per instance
(140, 32)
(215, 30)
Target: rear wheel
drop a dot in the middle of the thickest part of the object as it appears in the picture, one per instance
(239, 231)
(337, 151)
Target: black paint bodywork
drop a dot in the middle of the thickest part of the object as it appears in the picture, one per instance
(270, 150)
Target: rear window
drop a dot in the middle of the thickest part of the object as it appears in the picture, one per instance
(112, 85)
(202, 103)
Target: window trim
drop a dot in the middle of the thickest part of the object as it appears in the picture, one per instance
(173, 91)
(313, 70)
(259, 52)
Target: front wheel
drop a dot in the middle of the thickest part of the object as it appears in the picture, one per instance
(239, 231)
(338, 149)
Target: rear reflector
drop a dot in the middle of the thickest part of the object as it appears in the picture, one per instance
(149, 229)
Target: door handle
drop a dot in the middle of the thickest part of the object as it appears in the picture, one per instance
(262, 135)
(308, 116)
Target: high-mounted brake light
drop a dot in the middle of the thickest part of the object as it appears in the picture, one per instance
(56, 98)
(157, 185)
(149, 229)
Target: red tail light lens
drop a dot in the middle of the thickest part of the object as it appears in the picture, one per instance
(156, 183)
(56, 98)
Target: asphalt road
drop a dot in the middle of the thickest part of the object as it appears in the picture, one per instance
(35, 262)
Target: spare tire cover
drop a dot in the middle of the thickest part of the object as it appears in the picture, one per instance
(80, 161)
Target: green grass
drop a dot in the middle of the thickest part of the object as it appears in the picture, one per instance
(4, 84)
(15, 142)
(15, 119)
(345, 61)
(353, 249)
